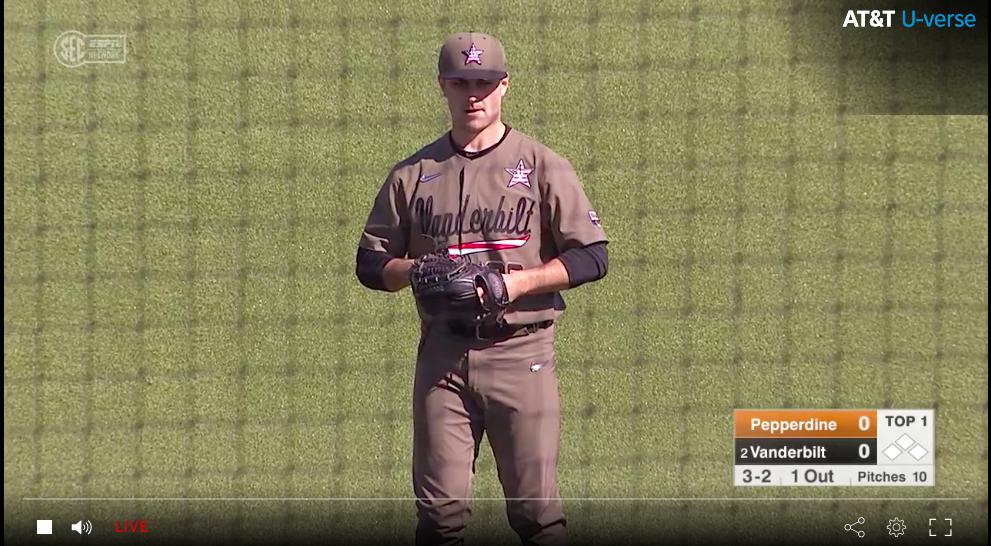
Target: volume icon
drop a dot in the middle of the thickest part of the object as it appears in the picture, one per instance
(83, 527)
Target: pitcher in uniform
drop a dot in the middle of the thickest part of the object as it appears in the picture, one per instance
(489, 192)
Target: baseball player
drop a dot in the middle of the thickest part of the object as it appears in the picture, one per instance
(488, 226)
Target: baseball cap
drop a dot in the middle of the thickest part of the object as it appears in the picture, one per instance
(471, 55)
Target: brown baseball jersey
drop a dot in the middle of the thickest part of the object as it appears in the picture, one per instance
(513, 206)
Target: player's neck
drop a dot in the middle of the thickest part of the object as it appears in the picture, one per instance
(475, 142)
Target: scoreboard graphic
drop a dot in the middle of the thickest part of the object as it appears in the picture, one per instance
(828, 447)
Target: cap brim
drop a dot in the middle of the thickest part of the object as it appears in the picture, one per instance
(473, 74)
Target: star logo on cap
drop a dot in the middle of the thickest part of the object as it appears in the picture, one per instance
(520, 175)
(473, 55)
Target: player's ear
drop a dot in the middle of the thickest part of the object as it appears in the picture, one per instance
(503, 86)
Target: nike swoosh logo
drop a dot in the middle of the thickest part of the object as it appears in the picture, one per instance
(428, 177)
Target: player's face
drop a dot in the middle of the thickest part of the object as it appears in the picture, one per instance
(474, 104)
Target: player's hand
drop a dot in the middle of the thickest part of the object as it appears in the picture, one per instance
(513, 286)
(511, 289)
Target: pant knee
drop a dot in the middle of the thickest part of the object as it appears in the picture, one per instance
(441, 521)
(537, 521)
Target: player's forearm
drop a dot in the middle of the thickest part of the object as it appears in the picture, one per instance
(550, 277)
(396, 273)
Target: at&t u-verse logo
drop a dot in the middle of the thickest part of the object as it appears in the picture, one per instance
(860, 18)
(886, 18)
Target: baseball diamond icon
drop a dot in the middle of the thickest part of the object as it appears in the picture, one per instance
(905, 444)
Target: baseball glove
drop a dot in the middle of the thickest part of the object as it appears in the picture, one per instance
(445, 286)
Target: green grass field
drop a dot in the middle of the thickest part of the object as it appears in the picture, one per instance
(181, 317)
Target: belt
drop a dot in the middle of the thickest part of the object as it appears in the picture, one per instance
(490, 332)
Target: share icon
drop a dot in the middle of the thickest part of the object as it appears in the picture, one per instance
(850, 527)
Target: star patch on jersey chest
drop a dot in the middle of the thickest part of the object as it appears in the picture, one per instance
(519, 175)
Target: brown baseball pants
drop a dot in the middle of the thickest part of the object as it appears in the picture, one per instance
(464, 388)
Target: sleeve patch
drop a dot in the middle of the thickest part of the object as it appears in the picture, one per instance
(594, 218)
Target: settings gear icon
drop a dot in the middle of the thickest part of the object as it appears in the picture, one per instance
(896, 527)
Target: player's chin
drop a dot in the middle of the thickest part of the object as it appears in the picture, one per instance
(476, 122)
